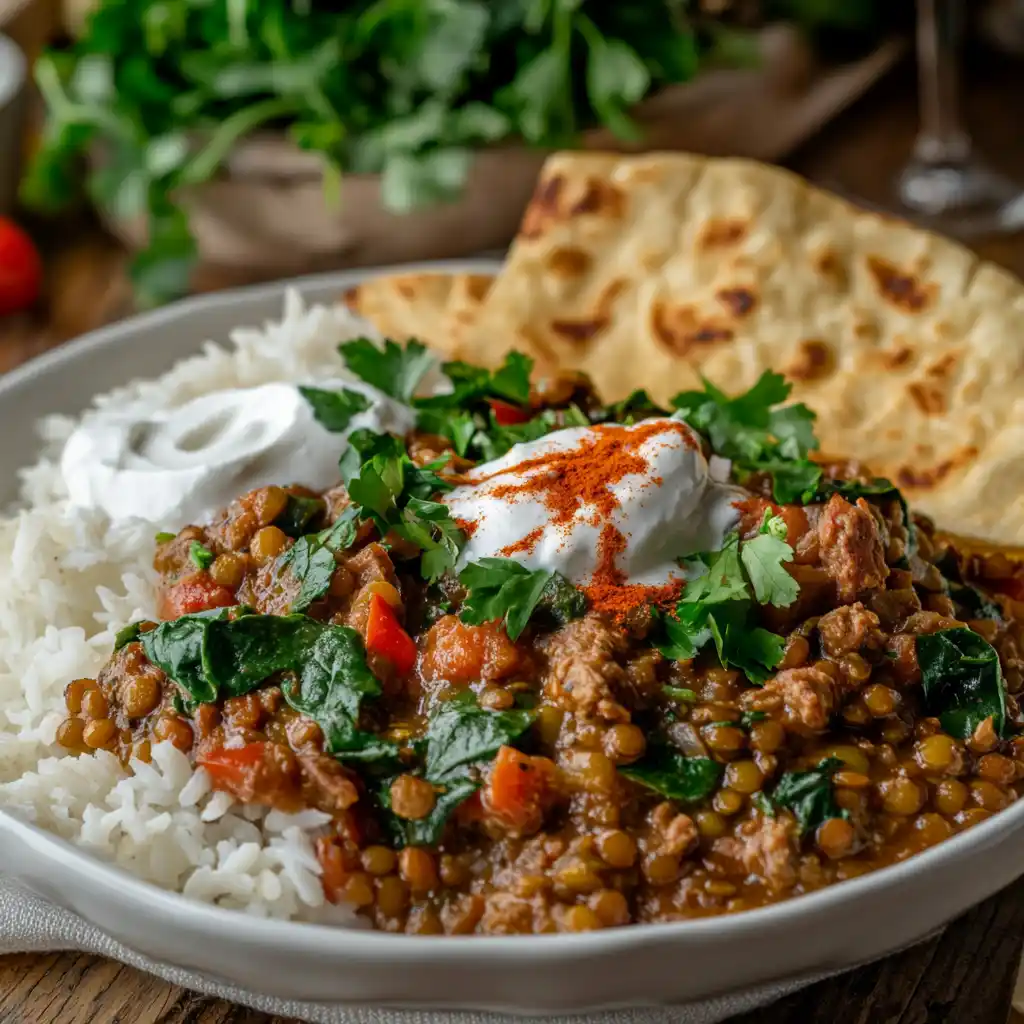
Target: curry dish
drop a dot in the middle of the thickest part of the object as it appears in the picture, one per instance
(817, 686)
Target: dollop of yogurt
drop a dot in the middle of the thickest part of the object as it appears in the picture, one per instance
(640, 497)
(178, 466)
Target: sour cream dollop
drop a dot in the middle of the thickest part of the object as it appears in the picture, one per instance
(605, 504)
(178, 466)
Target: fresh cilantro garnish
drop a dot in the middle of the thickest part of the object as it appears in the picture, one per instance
(394, 369)
(201, 557)
(335, 410)
(717, 604)
(472, 385)
(636, 406)
(755, 434)
(163, 537)
(679, 693)
(391, 491)
(807, 794)
(500, 588)
(763, 557)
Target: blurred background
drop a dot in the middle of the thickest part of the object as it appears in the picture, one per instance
(152, 148)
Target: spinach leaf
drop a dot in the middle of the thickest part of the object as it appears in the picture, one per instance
(674, 775)
(560, 601)
(426, 831)
(975, 602)
(129, 634)
(311, 559)
(460, 734)
(808, 794)
(298, 514)
(176, 648)
(963, 681)
(394, 369)
(335, 410)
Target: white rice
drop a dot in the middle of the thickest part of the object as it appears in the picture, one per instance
(68, 582)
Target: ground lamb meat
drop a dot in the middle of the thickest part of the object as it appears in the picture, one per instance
(848, 629)
(586, 675)
(671, 832)
(505, 914)
(852, 552)
(804, 697)
(766, 847)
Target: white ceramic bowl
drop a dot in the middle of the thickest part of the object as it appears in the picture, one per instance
(693, 961)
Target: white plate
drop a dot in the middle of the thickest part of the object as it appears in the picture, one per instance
(839, 927)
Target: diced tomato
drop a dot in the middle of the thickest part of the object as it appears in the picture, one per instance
(386, 637)
(332, 868)
(193, 594)
(506, 414)
(463, 654)
(518, 790)
(229, 766)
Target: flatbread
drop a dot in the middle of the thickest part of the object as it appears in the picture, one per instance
(435, 308)
(650, 271)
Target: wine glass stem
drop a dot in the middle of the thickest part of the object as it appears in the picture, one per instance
(942, 138)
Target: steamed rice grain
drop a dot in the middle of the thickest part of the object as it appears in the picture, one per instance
(69, 580)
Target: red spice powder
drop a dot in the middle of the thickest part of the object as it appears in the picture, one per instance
(524, 545)
(468, 526)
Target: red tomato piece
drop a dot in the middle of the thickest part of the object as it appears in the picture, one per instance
(463, 654)
(228, 766)
(386, 637)
(21, 269)
(506, 414)
(193, 594)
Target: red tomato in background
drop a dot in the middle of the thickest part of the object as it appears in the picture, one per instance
(21, 269)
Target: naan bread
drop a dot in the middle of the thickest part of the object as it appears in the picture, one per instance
(435, 308)
(650, 271)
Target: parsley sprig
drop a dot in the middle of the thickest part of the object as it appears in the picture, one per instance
(718, 602)
(757, 435)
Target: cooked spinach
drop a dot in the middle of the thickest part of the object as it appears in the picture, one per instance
(962, 680)
(128, 635)
(808, 794)
(299, 514)
(460, 733)
(176, 648)
(674, 775)
(978, 604)
(460, 737)
(212, 657)
(311, 560)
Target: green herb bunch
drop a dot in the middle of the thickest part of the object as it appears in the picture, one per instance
(159, 91)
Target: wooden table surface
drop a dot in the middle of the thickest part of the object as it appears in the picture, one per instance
(964, 976)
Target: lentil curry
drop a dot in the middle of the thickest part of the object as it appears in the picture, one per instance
(829, 691)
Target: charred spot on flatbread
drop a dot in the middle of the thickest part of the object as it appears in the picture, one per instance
(738, 301)
(927, 397)
(902, 289)
(814, 361)
(579, 330)
(829, 264)
(722, 232)
(681, 330)
(543, 209)
(929, 477)
(567, 262)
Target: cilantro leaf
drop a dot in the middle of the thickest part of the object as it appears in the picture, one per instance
(430, 525)
(722, 579)
(763, 557)
(335, 410)
(163, 537)
(500, 588)
(394, 369)
(298, 514)
(474, 384)
(755, 435)
(201, 557)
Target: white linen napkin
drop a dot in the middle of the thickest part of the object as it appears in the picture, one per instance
(29, 924)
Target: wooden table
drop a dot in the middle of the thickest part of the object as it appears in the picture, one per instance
(964, 976)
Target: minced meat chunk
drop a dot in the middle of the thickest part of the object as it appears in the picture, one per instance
(852, 552)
